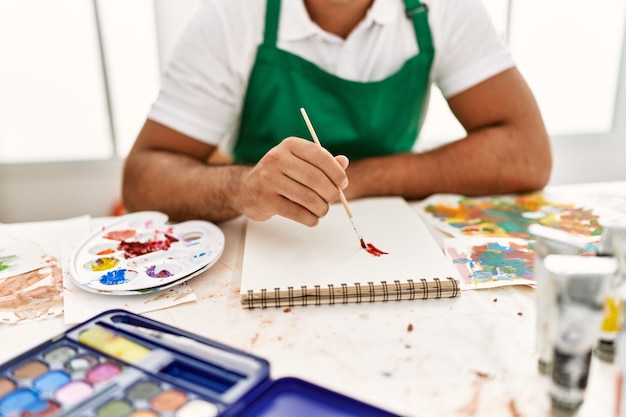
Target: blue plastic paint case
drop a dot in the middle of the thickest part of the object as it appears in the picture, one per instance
(121, 364)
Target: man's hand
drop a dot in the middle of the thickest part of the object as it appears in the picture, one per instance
(296, 179)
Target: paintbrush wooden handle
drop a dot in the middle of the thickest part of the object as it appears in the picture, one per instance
(344, 201)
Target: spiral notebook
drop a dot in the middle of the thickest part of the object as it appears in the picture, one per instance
(288, 264)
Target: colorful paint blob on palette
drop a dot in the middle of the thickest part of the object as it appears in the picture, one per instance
(141, 252)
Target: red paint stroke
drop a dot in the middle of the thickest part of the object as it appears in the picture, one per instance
(132, 249)
(371, 249)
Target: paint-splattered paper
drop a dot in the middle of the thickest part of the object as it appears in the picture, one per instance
(38, 294)
(506, 216)
(492, 262)
(19, 256)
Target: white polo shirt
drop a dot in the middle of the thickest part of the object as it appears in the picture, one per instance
(204, 84)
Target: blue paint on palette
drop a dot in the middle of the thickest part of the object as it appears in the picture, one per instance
(51, 381)
(19, 400)
(116, 277)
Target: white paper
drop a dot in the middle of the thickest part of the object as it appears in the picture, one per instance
(280, 253)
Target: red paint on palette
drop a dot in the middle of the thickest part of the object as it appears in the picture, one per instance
(132, 249)
(371, 249)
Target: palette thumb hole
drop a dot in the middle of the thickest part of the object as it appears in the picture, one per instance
(120, 364)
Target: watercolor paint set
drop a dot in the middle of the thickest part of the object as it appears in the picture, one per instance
(121, 364)
(141, 252)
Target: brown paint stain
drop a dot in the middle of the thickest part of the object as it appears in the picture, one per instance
(471, 408)
(482, 375)
(35, 294)
(409, 328)
(20, 282)
(513, 408)
(44, 295)
(495, 300)
(254, 339)
(519, 313)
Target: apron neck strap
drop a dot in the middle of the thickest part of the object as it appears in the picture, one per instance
(418, 13)
(272, 16)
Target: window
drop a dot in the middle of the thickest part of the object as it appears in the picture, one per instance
(569, 52)
(77, 77)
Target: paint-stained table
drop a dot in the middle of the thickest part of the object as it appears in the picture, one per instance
(469, 356)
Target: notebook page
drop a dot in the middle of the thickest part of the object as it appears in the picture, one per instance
(280, 253)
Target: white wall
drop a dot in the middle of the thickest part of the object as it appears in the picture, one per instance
(47, 191)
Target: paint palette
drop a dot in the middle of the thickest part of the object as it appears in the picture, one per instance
(120, 364)
(141, 252)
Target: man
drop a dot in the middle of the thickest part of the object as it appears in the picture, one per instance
(362, 70)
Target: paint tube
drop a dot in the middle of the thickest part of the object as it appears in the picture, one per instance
(612, 243)
(549, 241)
(581, 284)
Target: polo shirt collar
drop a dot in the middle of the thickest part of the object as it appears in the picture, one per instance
(300, 26)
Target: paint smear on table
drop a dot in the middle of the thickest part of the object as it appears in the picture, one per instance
(491, 262)
(506, 216)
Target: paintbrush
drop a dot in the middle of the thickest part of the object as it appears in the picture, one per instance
(344, 201)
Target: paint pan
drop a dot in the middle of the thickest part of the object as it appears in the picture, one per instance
(120, 364)
(612, 243)
(141, 252)
(581, 284)
(549, 241)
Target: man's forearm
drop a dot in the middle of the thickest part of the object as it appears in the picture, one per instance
(490, 161)
(181, 186)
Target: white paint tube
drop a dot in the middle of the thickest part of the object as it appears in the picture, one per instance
(612, 243)
(549, 241)
(581, 284)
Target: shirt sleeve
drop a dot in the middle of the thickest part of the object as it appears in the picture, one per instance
(203, 83)
(468, 48)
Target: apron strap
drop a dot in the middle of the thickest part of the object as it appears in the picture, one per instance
(272, 16)
(418, 13)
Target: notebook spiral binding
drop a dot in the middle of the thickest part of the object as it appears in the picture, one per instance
(330, 294)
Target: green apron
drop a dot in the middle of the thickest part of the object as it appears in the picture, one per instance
(356, 119)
